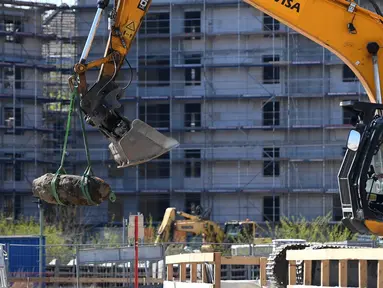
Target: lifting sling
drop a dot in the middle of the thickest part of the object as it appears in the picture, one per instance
(88, 170)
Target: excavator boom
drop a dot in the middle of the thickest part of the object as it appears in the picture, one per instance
(131, 142)
(191, 224)
(164, 230)
(352, 33)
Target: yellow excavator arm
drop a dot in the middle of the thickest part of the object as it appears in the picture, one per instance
(125, 21)
(191, 224)
(166, 226)
(352, 33)
(131, 142)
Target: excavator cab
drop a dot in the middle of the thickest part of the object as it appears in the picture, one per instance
(236, 229)
(360, 176)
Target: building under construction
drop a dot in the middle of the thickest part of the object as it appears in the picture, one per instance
(254, 104)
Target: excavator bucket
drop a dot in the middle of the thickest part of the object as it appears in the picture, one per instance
(140, 144)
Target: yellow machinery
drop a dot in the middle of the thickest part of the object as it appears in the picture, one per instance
(197, 225)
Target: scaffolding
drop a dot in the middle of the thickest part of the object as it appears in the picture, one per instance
(254, 105)
(32, 74)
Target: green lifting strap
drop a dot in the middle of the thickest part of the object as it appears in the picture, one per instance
(88, 170)
(61, 170)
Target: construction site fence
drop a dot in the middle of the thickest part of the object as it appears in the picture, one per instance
(112, 265)
(361, 267)
(210, 267)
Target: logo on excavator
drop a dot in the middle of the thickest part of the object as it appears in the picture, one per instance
(142, 4)
(187, 227)
(290, 4)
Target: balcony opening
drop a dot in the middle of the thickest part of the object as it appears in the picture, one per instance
(271, 209)
(348, 75)
(156, 23)
(192, 115)
(271, 113)
(270, 165)
(193, 163)
(271, 72)
(192, 24)
(13, 26)
(11, 76)
(193, 74)
(13, 121)
(270, 25)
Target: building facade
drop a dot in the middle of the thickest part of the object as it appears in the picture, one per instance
(254, 104)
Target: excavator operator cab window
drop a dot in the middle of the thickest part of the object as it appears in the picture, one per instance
(369, 165)
(374, 184)
(232, 229)
(360, 176)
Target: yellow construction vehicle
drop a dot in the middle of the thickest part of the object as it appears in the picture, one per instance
(198, 225)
